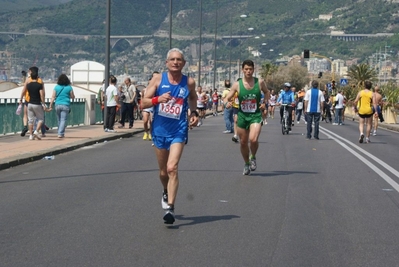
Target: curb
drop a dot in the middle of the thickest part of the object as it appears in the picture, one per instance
(30, 158)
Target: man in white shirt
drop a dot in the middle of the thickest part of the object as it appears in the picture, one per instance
(112, 100)
(314, 101)
(339, 105)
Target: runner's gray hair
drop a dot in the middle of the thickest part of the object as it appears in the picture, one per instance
(175, 50)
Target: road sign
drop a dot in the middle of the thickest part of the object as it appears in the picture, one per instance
(329, 86)
(344, 81)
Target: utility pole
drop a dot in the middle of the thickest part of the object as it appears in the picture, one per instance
(170, 24)
(231, 37)
(107, 56)
(215, 46)
(200, 44)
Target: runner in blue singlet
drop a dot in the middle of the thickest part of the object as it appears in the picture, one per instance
(171, 94)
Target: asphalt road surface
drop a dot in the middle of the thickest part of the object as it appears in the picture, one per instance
(327, 202)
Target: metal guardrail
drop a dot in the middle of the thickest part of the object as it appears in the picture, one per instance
(12, 123)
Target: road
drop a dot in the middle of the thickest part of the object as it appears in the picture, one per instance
(331, 202)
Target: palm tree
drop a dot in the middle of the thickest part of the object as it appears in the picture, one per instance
(361, 73)
(268, 69)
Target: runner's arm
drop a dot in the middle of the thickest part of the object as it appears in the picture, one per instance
(266, 91)
(192, 98)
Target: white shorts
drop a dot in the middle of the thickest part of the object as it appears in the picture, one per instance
(149, 110)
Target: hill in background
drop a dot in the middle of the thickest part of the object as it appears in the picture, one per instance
(14, 5)
(286, 27)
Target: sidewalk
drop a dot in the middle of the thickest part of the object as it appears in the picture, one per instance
(16, 150)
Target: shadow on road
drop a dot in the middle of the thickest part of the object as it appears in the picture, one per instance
(201, 219)
(279, 173)
(78, 176)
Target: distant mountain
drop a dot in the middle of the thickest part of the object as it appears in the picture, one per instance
(14, 5)
(281, 27)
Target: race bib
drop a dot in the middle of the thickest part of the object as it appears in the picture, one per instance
(173, 109)
(300, 105)
(249, 105)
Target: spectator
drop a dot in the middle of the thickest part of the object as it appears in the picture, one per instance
(112, 102)
(62, 95)
(128, 96)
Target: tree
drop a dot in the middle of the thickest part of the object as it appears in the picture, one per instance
(296, 75)
(267, 71)
(361, 73)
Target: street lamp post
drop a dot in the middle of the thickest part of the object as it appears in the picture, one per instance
(107, 56)
(215, 45)
(231, 37)
(200, 44)
(243, 16)
(170, 24)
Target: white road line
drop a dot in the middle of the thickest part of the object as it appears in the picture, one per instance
(340, 140)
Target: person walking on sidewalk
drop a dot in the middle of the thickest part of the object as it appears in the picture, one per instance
(128, 96)
(171, 94)
(36, 105)
(249, 115)
(112, 101)
(62, 95)
(314, 101)
(27, 98)
(366, 100)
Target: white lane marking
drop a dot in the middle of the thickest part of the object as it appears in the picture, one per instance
(383, 175)
(386, 166)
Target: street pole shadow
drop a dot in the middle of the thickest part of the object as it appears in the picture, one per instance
(201, 219)
(280, 173)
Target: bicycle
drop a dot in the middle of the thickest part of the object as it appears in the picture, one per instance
(326, 116)
(285, 127)
(137, 112)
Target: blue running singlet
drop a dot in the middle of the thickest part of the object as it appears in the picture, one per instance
(170, 119)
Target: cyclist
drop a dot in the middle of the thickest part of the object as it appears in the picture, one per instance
(286, 97)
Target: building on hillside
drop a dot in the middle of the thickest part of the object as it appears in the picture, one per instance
(325, 16)
(316, 65)
(340, 67)
(295, 60)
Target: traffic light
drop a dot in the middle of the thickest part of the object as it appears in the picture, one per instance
(333, 85)
(306, 53)
(320, 75)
